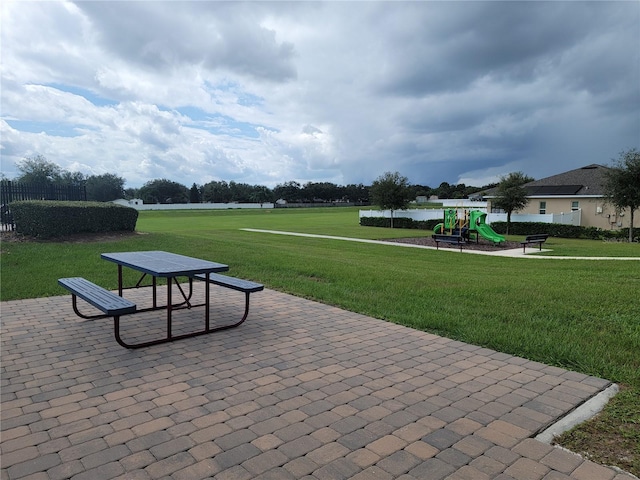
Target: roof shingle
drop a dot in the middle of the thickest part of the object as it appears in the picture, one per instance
(587, 180)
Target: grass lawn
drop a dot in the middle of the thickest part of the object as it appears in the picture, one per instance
(578, 314)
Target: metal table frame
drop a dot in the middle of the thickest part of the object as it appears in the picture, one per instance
(159, 264)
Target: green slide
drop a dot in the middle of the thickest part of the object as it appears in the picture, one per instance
(487, 232)
(478, 223)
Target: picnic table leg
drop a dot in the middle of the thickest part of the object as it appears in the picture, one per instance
(207, 302)
(74, 304)
(169, 307)
(155, 292)
(116, 328)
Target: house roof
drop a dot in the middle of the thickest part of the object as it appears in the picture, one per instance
(587, 180)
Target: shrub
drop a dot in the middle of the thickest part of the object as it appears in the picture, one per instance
(44, 219)
(552, 229)
(562, 231)
(398, 222)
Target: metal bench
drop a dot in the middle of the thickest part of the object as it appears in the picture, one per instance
(538, 238)
(453, 239)
(111, 304)
(245, 286)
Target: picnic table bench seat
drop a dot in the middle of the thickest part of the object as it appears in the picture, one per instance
(231, 282)
(245, 286)
(453, 239)
(538, 238)
(109, 303)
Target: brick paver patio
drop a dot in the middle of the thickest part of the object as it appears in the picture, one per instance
(301, 390)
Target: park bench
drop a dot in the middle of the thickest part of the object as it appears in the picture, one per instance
(111, 304)
(539, 238)
(453, 239)
(238, 284)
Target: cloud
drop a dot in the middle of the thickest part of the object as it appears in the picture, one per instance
(268, 92)
(219, 36)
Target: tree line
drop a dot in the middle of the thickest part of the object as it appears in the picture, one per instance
(107, 187)
(390, 191)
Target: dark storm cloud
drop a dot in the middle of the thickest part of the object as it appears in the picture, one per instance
(453, 44)
(216, 35)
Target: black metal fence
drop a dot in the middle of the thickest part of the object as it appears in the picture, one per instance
(15, 191)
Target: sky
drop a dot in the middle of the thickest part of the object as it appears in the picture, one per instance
(271, 92)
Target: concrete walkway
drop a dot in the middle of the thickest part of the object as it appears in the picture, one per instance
(301, 390)
(515, 252)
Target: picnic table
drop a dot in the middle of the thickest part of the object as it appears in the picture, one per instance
(157, 264)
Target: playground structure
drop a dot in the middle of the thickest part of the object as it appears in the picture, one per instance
(463, 223)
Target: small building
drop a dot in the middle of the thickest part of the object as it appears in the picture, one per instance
(580, 190)
(129, 203)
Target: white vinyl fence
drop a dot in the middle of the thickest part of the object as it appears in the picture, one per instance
(138, 205)
(569, 218)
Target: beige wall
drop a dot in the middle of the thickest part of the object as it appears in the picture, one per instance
(595, 212)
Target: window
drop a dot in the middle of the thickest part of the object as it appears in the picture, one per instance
(543, 208)
(575, 206)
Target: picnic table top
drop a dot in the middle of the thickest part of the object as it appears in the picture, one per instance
(164, 264)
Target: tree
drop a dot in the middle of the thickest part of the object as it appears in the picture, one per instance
(216, 192)
(320, 191)
(420, 191)
(104, 188)
(240, 192)
(622, 184)
(511, 195)
(164, 191)
(72, 178)
(288, 191)
(260, 194)
(444, 190)
(194, 194)
(391, 192)
(356, 193)
(39, 170)
(130, 193)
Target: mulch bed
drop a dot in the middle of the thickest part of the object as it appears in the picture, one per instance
(482, 245)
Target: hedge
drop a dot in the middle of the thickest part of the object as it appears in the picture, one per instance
(400, 222)
(46, 219)
(562, 231)
(516, 228)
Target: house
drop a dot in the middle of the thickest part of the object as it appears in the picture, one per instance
(580, 190)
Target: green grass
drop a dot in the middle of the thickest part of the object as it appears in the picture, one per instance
(571, 247)
(324, 221)
(578, 314)
(613, 437)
